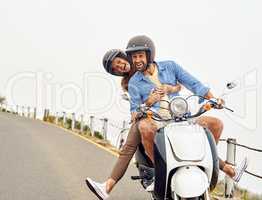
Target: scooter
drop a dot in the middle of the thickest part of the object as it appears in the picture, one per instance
(185, 155)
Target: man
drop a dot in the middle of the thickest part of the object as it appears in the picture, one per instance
(153, 75)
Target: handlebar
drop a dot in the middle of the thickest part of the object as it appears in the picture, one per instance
(145, 111)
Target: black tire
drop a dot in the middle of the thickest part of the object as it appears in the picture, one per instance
(212, 143)
(194, 198)
(202, 197)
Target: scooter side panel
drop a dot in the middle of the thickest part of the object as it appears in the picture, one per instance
(173, 162)
(187, 142)
(165, 162)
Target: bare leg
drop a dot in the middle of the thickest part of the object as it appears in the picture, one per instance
(226, 168)
(213, 124)
(110, 183)
(216, 127)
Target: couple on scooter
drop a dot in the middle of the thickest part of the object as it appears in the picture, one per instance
(151, 82)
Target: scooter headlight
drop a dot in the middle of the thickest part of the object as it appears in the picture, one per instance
(178, 106)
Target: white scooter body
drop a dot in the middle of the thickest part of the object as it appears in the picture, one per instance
(187, 150)
(188, 162)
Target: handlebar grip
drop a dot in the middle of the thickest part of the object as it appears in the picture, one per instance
(207, 106)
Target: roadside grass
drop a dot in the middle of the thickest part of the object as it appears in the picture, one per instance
(97, 137)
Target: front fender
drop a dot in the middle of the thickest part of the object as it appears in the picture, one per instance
(189, 181)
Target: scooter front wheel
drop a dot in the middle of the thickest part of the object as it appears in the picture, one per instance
(205, 196)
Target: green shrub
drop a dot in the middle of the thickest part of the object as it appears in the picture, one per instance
(98, 135)
(86, 128)
(51, 119)
(60, 119)
(78, 125)
(68, 124)
(44, 118)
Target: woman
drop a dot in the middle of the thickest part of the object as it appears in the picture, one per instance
(116, 63)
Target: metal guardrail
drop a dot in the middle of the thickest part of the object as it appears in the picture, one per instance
(246, 147)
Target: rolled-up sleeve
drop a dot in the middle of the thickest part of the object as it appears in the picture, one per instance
(135, 98)
(189, 81)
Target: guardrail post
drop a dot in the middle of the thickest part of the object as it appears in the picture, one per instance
(124, 125)
(82, 124)
(231, 158)
(105, 127)
(34, 112)
(73, 121)
(12, 110)
(121, 139)
(56, 118)
(23, 114)
(28, 111)
(47, 113)
(92, 130)
(64, 119)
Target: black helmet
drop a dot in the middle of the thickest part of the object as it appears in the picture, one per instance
(141, 43)
(109, 57)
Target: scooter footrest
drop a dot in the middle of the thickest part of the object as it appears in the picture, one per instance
(137, 177)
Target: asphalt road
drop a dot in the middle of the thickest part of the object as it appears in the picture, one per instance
(42, 162)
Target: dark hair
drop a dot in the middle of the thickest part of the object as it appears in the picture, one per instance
(125, 79)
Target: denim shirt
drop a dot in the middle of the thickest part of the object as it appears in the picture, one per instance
(169, 72)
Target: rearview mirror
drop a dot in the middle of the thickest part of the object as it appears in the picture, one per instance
(231, 85)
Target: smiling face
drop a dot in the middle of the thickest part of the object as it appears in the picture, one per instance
(139, 60)
(120, 65)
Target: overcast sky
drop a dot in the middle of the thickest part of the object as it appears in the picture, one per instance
(51, 51)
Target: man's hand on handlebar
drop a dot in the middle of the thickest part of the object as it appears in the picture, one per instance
(218, 103)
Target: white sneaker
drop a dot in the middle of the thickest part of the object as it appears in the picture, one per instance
(240, 169)
(151, 187)
(99, 189)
